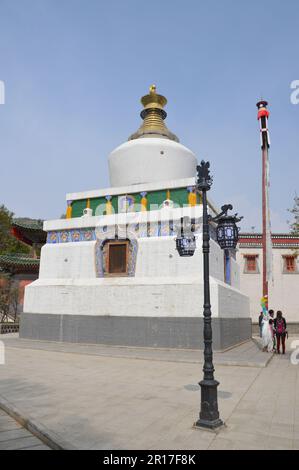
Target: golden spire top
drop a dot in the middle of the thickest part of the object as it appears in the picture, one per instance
(153, 116)
(153, 100)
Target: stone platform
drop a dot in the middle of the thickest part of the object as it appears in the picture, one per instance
(156, 332)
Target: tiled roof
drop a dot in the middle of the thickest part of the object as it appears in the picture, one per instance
(29, 231)
(17, 263)
(279, 240)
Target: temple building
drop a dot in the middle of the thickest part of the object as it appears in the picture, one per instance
(22, 269)
(285, 263)
(110, 272)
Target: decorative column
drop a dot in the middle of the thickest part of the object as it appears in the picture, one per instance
(192, 198)
(109, 207)
(69, 209)
(143, 201)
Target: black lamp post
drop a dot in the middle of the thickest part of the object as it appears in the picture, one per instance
(227, 237)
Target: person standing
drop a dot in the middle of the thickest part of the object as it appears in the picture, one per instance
(261, 323)
(280, 326)
(271, 323)
(267, 337)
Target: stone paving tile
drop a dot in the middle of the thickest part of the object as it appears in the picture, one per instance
(9, 424)
(256, 426)
(222, 444)
(279, 443)
(19, 444)
(14, 434)
(242, 437)
(37, 447)
(248, 446)
(281, 430)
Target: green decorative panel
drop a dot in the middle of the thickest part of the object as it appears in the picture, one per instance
(156, 197)
(94, 203)
(77, 207)
(178, 196)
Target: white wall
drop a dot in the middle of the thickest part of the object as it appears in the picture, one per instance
(156, 256)
(283, 294)
(132, 297)
(68, 260)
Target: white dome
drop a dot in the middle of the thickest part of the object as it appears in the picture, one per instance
(150, 159)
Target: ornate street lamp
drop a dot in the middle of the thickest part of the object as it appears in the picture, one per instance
(227, 230)
(227, 237)
(185, 240)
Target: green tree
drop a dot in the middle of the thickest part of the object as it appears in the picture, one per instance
(294, 225)
(8, 243)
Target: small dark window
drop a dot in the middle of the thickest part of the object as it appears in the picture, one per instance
(290, 264)
(117, 258)
(250, 266)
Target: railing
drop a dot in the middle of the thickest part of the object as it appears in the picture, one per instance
(9, 327)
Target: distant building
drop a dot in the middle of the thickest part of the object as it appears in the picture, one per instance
(22, 269)
(283, 290)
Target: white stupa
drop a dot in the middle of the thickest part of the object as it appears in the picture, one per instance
(110, 273)
(153, 153)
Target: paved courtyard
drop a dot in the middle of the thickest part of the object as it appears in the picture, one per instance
(97, 397)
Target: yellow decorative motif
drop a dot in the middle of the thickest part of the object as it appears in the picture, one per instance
(167, 194)
(88, 204)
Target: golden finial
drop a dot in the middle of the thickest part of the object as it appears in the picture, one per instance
(153, 116)
(152, 100)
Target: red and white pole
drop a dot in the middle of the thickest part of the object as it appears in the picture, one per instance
(262, 116)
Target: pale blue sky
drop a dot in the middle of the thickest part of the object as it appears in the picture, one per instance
(74, 71)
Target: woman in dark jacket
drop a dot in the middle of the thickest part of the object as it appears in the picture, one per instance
(280, 327)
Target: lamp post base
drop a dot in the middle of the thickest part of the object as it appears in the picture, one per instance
(210, 425)
(209, 414)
